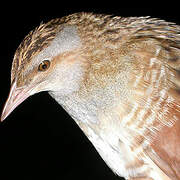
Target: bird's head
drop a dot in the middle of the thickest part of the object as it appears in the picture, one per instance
(48, 59)
(64, 55)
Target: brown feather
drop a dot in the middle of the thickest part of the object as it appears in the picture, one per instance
(119, 48)
(166, 142)
(167, 147)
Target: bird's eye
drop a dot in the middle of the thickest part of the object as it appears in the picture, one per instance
(44, 65)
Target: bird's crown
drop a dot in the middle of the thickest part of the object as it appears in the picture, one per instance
(106, 29)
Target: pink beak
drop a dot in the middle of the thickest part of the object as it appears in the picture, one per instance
(16, 97)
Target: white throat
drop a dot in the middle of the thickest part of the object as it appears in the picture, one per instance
(81, 111)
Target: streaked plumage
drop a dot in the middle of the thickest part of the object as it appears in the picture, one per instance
(119, 80)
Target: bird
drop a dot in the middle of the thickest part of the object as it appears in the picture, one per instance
(119, 80)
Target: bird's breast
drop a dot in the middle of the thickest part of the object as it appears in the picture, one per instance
(103, 128)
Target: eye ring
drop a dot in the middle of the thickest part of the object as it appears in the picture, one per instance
(44, 65)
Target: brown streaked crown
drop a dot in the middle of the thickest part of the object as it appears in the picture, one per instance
(93, 28)
(40, 38)
(33, 43)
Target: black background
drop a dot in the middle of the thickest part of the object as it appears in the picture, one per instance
(39, 140)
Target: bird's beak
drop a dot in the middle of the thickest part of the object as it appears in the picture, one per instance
(16, 97)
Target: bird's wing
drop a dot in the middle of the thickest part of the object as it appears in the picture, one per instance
(163, 63)
(166, 145)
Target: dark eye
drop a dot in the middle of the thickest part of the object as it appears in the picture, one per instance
(44, 65)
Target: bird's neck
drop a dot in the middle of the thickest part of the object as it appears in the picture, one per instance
(84, 106)
(81, 110)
